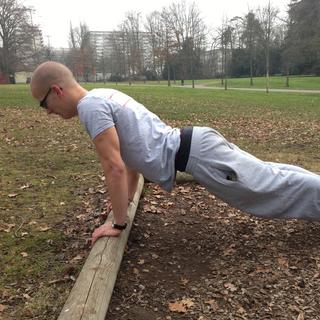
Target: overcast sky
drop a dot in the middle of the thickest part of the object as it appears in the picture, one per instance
(54, 17)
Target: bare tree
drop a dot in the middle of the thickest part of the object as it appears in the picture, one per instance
(289, 51)
(211, 59)
(225, 36)
(134, 41)
(197, 31)
(82, 52)
(17, 36)
(267, 19)
(169, 43)
(188, 31)
(118, 55)
(155, 26)
(126, 51)
(251, 34)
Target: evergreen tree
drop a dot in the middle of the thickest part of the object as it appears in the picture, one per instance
(303, 38)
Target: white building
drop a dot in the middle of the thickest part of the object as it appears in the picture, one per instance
(111, 44)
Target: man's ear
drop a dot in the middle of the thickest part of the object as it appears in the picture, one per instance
(57, 89)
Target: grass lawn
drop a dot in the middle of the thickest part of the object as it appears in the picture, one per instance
(48, 167)
(276, 82)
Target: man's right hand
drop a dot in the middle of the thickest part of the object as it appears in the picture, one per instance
(105, 230)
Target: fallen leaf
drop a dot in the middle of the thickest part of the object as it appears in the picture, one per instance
(241, 310)
(184, 281)
(260, 269)
(2, 307)
(181, 306)
(77, 258)
(229, 252)
(81, 216)
(188, 303)
(213, 304)
(28, 313)
(136, 271)
(283, 262)
(230, 287)
(25, 186)
(44, 229)
(7, 227)
(294, 308)
(177, 306)
(24, 254)
(58, 280)
(12, 195)
(26, 296)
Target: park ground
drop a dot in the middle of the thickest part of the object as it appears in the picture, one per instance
(189, 255)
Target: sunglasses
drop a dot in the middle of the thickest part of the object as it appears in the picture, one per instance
(43, 102)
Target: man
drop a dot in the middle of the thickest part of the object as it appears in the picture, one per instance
(130, 139)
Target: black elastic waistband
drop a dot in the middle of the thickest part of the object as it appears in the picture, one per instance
(183, 153)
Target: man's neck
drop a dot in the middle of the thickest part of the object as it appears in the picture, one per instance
(78, 93)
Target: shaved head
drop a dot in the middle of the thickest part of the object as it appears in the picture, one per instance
(49, 73)
(56, 90)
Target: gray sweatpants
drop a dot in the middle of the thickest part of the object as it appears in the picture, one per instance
(264, 189)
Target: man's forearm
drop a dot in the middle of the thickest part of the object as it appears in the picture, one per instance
(118, 191)
(133, 178)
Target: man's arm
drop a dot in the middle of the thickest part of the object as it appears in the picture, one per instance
(108, 148)
(133, 178)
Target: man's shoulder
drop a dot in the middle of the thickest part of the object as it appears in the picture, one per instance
(99, 93)
(95, 99)
(92, 106)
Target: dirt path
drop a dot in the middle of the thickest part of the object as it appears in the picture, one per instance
(199, 86)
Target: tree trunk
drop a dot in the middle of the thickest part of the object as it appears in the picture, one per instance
(267, 68)
(192, 76)
(169, 81)
(225, 70)
(251, 71)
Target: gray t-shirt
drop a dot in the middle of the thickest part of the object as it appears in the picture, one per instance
(147, 144)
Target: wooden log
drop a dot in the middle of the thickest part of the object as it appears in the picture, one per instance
(89, 299)
(183, 177)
